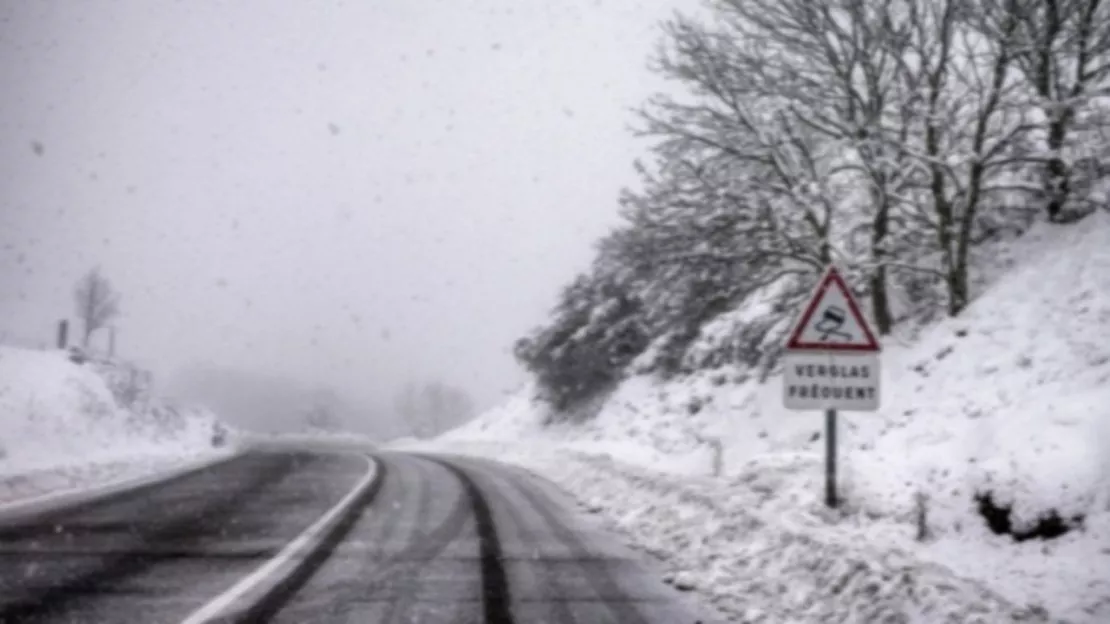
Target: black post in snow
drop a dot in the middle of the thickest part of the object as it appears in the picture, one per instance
(830, 459)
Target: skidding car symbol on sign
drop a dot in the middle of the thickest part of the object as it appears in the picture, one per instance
(832, 320)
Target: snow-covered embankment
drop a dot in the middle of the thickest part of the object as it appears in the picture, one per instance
(1010, 399)
(65, 425)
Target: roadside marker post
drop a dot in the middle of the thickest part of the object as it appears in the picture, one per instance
(831, 363)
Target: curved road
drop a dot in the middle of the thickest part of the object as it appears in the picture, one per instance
(156, 554)
(436, 539)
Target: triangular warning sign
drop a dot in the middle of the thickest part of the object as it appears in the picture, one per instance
(832, 320)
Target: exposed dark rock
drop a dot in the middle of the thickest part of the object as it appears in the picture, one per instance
(1050, 525)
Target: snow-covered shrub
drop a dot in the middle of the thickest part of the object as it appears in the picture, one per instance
(596, 331)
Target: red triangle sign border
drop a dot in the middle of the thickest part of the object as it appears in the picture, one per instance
(832, 278)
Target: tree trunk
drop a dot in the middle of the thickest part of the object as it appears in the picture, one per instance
(958, 292)
(1056, 179)
(1057, 182)
(880, 302)
(958, 295)
(945, 221)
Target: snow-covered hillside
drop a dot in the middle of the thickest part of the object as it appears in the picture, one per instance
(1012, 398)
(56, 415)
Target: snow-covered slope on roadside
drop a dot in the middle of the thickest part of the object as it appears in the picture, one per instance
(1012, 397)
(55, 414)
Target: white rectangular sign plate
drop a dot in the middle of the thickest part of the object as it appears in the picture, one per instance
(831, 380)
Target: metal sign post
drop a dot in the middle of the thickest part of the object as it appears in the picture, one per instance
(832, 363)
(830, 458)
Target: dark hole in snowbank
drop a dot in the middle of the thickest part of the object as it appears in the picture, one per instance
(1049, 526)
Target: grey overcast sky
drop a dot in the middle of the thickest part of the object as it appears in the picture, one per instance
(354, 193)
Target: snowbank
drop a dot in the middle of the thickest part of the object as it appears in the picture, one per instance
(58, 415)
(1012, 397)
(716, 538)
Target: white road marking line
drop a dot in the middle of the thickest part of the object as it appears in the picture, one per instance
(219, 604)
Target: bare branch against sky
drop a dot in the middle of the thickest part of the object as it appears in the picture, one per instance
(95, 303)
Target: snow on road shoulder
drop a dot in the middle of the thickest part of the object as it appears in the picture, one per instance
(717, 538)
(62, 426)
(19, 486)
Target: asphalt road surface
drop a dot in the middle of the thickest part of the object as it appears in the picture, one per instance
(452, 540)
(157, 554)
(435, 540)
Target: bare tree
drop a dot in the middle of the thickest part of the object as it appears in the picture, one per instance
(1062, 49)
(805, 95)
(432, 407)
(834, 62)
(407, 405)
(97, 303)
(973, 121)
(740, 196)
(739, 141)
(324, 410)
(322, 417)
(920, 98)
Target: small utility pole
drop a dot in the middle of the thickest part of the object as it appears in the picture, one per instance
(63, 334)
